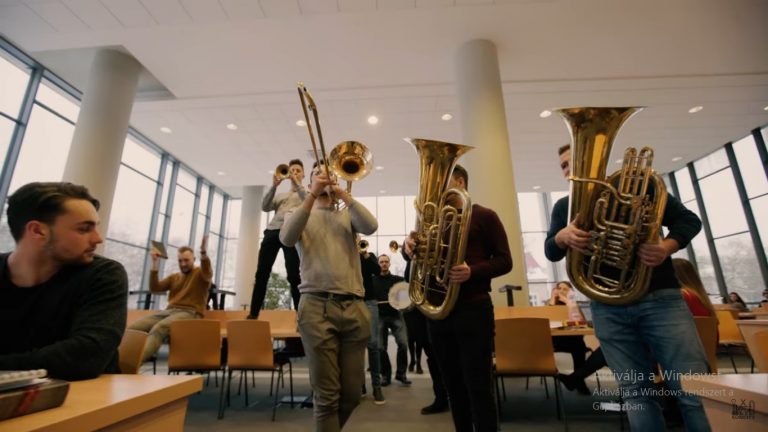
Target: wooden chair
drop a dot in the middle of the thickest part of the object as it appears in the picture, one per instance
(131, 350)
(760, 350)
(135, 315)
(730, 335)
(537, 359)
(707, 328)
(249, 348)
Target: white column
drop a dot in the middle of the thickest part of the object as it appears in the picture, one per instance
(484, 126)
(248, 244)
(97, 144)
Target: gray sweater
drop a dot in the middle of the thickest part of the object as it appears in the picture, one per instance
(281, 204)
(325, 240)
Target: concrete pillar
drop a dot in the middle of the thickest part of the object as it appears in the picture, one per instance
(484, 126)
(248, 244)
(102, 125)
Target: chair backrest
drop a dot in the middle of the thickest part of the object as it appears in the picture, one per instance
(707, 328)
(283, 320)
(224, 316)
(729, 331)
(131, 350)
(195, 345)
(249, 345)
(538, 355)
(553, 313)
(760, 351)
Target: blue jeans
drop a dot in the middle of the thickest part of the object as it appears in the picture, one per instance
(661, 322)
(396, 325)
(374, 344)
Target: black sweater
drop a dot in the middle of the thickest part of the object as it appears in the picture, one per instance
(683, 226)
(70, 325)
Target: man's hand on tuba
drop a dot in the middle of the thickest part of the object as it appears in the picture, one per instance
(573, 237)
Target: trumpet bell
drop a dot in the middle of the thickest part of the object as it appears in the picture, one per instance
(282, 171)
(351, 160)
(394, 246)
(362, 245)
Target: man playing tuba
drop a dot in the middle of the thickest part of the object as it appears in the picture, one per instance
(659, 321)
(463, 340)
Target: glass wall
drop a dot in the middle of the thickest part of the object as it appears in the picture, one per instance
(155, 195)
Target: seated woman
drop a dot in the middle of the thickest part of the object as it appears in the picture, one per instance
(571, 344)
(735, 300)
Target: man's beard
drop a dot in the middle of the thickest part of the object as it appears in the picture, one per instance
(64, 260)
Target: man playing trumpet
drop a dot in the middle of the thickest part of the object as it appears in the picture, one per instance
(270, 246)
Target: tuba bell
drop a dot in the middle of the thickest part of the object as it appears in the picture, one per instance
(442, 226)
(619, 212)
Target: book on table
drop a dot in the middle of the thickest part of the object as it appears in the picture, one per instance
(25, 392)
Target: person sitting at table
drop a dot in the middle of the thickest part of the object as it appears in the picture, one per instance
(694, 294)
(64, 307)
(188, 295)
(570, 344)
(735, 300)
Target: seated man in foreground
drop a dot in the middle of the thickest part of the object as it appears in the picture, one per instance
(187, 297)
(63, 307)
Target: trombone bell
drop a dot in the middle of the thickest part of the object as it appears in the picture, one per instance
(351, 160)
(282, 171)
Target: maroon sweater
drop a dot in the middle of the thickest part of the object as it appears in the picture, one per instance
(487, 254)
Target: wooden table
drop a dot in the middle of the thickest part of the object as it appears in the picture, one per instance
(116, 403)
(576, 331)
(733, 402)
(749, 328)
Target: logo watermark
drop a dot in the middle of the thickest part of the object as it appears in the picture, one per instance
(742, 409)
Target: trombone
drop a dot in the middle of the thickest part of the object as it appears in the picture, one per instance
(349, 160)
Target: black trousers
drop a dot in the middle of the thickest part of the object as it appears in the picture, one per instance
(270, 246)
(574, 345)
(463, 347)
(418, 323)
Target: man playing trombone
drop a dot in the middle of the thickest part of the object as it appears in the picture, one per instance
(270, 246)
(333, 319)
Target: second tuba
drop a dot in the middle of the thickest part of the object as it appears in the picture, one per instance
(619, 212)
(442, 226)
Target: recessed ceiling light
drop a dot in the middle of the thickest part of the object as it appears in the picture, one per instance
(232, 126)
(271, 171)
(446, 117)
(372, 120)
(536, 187)
(696, 109)
(165, 129)
(618, 161)
(676, 158)
(545, 113)
(301, 123)
(379, 167)
(221, 173)
(765, 108)
(382, 191)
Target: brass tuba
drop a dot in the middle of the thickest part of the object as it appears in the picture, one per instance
(442, 226)
(620, 212)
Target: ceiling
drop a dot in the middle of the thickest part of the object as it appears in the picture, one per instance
(209, 63)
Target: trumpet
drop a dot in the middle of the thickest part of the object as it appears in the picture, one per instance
(362, 246)
(394, 246)
(282, 171)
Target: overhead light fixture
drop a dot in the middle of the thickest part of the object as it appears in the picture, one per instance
(545, 113)
(379, 167)
(765, 108)
(232, 126)
(446, 117)
(676, 158)
(696, 109)
(301, 123)
(165, 129)
(382, 191)
(536, 187)
(372, 120)
(618, 161)
(221, 173)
